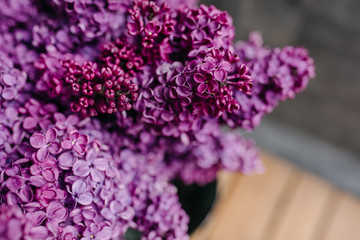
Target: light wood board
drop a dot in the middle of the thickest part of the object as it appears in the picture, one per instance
(284, 203)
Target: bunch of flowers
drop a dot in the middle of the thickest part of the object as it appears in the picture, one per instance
(103, 103)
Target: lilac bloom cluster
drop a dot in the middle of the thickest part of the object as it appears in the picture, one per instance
(103, 103)
(172, 95)
(151, 25)
(205, 26)
(195, 156)
(101, 19)
(278, 74)
(93, 19)
(197, 159)
(15, 225)
(16, 19)
(179, 94)
(103, 88)
(12, 81)
(70, 185)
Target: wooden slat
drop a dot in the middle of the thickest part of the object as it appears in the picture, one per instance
(247, 213)
(346, 222)
(303, 214)
(282, 206)
(328, 214)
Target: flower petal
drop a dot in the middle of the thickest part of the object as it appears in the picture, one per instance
(53, 227)
(73, 119)
(79, 148)
(220, 74)
(37, 217)
(9, 93)
(105, 233)
(37, 181)
(183, 91)
(14, 183)
(79, 187)
(9, 79)
(38, 233)
(48, 194)
(42, 153)
(82, 139)
(66, 144)
(54, 148)
(81, 168)
(56, 211)
(85, 199)
(50, 135)
(25, 194)
(201, 88)
(213, 86)
(49, 175)
(89, 215)
(207, 67)
(226, 66)
(31, 206)
(97, 175)
(180, 79)
(37, 140)
(199, 78)
(101, 164)
(29, 123)
(66, 160)
(107, 214)
(128, 213)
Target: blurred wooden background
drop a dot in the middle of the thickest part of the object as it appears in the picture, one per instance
(285, 203)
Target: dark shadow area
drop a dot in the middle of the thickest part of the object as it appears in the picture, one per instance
(197, 201)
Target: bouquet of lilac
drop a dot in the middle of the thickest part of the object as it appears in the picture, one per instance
(104, 102)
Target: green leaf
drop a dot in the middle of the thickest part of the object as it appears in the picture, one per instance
(132, 234)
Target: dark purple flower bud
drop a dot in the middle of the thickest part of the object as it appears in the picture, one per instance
(106, 72)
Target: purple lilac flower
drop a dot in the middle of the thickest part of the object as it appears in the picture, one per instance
(204, 150)
(203, 26)
(202, 84)
(180, 95)
(16, 20)
(210, 151)
(15, 226)
(95, 88)
(153, 24)
(46, 143)
(172, 78)
(89, 187)
(75, 141)
(90, 20)
(278, 74)
(104, 20)
(12, 81)
(179, 4)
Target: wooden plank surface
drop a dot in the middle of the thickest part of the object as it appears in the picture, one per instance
(252, 191)
(282, 204)
(346, 221)
(302, 214)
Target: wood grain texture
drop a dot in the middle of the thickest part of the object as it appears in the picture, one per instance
(346, 221)
(302, 215)
(284, 203)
